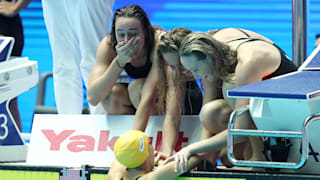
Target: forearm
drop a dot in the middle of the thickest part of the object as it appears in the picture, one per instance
(168, 171)
(100, 86)
(214, 143)
(21, 4)
(170, 134)
(141, 118)
(143, 112)
(148, 99)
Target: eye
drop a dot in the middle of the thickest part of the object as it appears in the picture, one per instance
(121, 35)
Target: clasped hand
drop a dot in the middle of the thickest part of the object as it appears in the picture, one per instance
(127, 50)
(180, 160)
(7, 8)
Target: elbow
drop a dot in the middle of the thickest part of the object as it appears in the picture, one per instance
(91, 100)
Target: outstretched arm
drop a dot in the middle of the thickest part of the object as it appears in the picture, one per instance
(171, 124)
(168, 172)
(12, 8)
(247, 72)
(148, 99)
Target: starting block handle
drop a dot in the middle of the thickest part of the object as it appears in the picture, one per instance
(268, 164)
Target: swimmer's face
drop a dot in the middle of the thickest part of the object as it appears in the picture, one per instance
(202, 68)
(127, 28)
(172, 59)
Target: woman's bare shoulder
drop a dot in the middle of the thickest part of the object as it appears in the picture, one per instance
(105, 52)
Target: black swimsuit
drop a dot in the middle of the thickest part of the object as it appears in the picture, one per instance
(286, 65)
(12, 26)
(138, 72)
(193, 94)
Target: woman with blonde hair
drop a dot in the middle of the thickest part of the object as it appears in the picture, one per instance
(178, 90)
(225, 59)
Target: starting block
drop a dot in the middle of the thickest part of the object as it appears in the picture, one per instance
(284, 106)
(17, 75)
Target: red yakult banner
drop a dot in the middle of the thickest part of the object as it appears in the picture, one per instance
(75, 140)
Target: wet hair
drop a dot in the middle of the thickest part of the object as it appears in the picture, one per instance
(134, 11)
(172, 39)
(158, 28)
(169, 42)
(202, 46)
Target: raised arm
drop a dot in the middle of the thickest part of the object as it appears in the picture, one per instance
(174, 104)
(109, 65)
(104, 74)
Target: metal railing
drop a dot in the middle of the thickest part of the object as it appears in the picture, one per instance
(303, 135)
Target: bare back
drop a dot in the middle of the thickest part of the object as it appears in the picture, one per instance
(255, 58)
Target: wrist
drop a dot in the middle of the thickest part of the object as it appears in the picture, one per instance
(118, 64)
(166, 155)
(15, 9)
(190, 149)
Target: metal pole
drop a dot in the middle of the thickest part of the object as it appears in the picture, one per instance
(299, 31)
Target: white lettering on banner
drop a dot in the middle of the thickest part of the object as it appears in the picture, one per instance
(75, 140)
(4, 127)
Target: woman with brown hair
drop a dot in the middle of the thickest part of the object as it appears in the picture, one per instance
(132, 46)
(129, 47)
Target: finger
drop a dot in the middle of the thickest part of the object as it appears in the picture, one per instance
(185, 163)
(176, 164)
(135, 42)
(163, 157)
(157, 158)
(120, 44)
(182, 164)
(130, 42)
(168, 160)
(156, 153)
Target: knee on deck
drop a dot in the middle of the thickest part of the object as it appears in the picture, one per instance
(215, 115)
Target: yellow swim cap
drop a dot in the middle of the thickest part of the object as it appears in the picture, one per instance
(131, 149)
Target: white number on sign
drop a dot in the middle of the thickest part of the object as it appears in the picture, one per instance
(3, 126)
